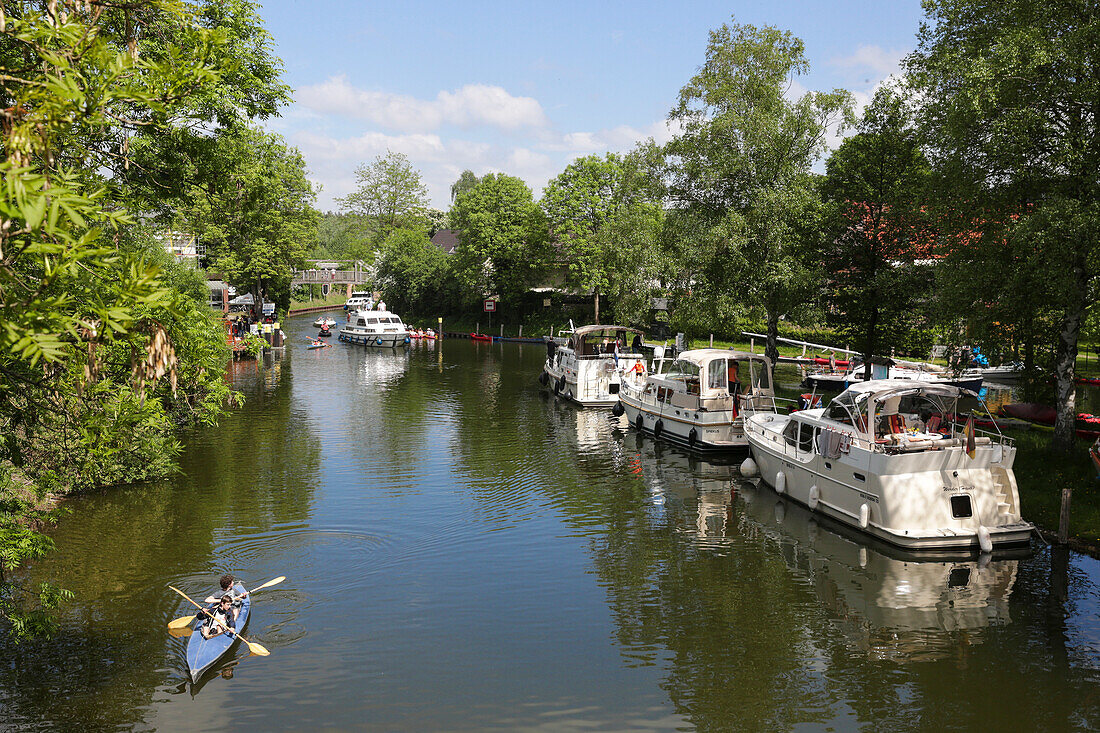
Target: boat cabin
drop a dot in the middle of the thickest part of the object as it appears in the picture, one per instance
(596, 341)
(713, 380)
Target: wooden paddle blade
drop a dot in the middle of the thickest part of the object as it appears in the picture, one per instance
(181, 623)
(183, 633)
(273, 581)
(257, 649)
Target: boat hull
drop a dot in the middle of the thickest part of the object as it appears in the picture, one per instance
(377, 340)
(714, 432)
(202, 654)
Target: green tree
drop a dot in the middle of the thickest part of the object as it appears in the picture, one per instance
(1012, 120)
(502, 237)
(413, 273)
(342, 237)
(592, 208)
(875, 182)
(742, 161)
(390, 195)
(465, 182)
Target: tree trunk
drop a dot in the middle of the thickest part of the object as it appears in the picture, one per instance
(1065, 392)
(771, 350)
(872, 327)
(596, 300)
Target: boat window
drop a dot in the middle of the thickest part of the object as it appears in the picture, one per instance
(716, 375)
(790, 433)
(760, 377)
(361, 322)
(662, 394)
(372, 320)
(840, 409)
(806, 438)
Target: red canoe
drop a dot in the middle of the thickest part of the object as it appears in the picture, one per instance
(481, 337)
(1088, 426)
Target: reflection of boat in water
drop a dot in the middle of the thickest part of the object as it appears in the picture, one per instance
(890, 604)
(378, 368)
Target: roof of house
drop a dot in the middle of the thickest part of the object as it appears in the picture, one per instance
(446, 240)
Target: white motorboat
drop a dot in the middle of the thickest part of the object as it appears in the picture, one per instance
(837, 381)
(889, 457)
(701, 398)
(324, 322)
(592, 365)
(359, 300)
(375, 328)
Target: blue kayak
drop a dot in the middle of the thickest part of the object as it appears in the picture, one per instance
(203, 653)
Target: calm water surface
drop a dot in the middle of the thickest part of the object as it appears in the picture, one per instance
(464, 552)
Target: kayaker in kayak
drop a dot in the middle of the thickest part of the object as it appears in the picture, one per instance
(227, 582)
(218, 617)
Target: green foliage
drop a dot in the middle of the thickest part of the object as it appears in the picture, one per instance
(603, 215)
(105, 344)
(390, 195)
(344, 238)
(1010, 118)
(741, 166)
(504, 245)
(414, 274)
(878, 231)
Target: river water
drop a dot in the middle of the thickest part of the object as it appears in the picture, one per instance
(465, 552)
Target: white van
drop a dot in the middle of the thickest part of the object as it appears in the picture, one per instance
(359, 301)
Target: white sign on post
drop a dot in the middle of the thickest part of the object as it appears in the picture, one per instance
(490, 306)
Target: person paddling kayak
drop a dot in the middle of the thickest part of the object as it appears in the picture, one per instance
(218, 618)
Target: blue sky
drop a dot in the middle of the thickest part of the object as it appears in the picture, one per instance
(524, 88)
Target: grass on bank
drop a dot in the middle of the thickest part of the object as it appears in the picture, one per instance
(1041, 473)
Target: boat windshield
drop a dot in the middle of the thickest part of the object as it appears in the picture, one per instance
(848, 409)
(683, 370)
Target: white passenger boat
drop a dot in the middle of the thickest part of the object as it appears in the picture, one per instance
(592, 365)
(359, 300)
(889, 457)
(375, 328)
(701, 398)
(837, 381)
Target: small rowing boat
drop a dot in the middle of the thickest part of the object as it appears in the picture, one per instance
(481, 337)
(202, 653)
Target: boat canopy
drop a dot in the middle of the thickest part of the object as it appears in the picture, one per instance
(869, 406)
(591, 340)
(709, 372)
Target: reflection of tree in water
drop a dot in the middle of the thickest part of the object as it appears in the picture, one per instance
(120, 547)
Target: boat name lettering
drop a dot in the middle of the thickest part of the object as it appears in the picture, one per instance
(953, 489)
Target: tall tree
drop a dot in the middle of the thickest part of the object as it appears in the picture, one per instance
(250, 202)
(90, 320)
(413, 273)
(1013, 122)
(502, 237)
(592, 207)
(465, 182)
(390, 194)
(875, 182)
(746, 150)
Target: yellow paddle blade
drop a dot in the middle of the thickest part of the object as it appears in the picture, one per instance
(181, 623)
(273, 581)
(257, 649)
(180, 633)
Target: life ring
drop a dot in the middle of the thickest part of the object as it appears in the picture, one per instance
(639, 423)
(693, 435)
(618, 409)
(560, 385)
(544, 378)
(658, 428)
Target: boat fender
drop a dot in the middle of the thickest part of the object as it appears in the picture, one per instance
(569, 393)
(748, 467)
(815, 496)
(560, 385)
(693, 435)
(864, 515)
(544, 378)
(780, 483)
(618, 409)
(639, 423)
(658, 428)
(985, 542)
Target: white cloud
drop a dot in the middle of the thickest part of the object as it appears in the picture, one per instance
(873, 62)
(469, 106)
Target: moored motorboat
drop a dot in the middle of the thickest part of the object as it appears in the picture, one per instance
(839, 380)
(203, 653)
(379, 328)
(701, 398)
(886, 457)
(592, 364)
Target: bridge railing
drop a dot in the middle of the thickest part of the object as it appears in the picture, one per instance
(301, 277)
